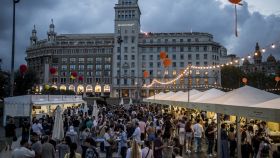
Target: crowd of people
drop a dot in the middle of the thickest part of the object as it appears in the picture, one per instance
(137, 131)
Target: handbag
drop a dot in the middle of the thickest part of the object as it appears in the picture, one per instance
(147, 153)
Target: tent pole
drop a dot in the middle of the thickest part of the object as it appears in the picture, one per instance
(219, 134)
(238, 136)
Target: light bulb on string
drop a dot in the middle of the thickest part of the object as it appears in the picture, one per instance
(249, 56)
(263, 50)
(273, 46)
(243, 59)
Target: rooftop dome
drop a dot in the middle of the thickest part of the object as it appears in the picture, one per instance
(271, 59)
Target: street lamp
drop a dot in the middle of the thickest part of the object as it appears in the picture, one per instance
(13, 50)
(120, 66)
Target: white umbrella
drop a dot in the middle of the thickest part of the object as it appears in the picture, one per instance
(95, 109)
(130, 101)
(58, 132)
(85, 109)
(121, 103)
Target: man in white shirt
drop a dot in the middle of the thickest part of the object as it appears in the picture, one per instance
(198, 133)
(23, 151)
(142, 126)
(137, 133)
(37, 128)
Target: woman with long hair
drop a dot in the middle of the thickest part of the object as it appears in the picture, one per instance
(189, 135)
(134, 151)
(73, 154)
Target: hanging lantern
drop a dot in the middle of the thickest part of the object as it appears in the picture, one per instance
(74, 74)
(47, 87)
(162, 55)
(277, 78)
(146, 74)
(166, 62)
(53, 70)
(235, 2)
(22, 69)
(81, 78)
(244, 80)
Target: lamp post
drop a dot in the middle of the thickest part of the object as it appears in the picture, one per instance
(120, 68)
(13, 50)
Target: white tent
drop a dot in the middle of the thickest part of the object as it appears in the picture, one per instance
(177, 94)
(155, 96)
(167, 95)
(22, 105)
(243, 96)
(209, 94)
(185, 97)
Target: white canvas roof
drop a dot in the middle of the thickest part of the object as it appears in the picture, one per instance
(243, 96)
(166, 95)
(155, 96)
(209, 94)
(185, 97)
(174, 95)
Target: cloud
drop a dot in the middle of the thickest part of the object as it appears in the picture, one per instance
(97, 16)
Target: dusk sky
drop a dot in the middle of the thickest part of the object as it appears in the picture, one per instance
(258, 21)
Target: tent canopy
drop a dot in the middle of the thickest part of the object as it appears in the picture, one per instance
(245, 102)
(243, 96)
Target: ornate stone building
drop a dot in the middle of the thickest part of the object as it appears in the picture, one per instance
(114, 62)
(268, 67)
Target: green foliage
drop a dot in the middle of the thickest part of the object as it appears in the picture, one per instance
(231, 77)
(4, 84)
(25, 82)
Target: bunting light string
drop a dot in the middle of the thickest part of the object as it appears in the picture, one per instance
(274, 45)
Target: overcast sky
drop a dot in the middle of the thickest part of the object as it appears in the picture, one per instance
(258, 20)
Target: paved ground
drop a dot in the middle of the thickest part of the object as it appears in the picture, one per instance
(7, 154)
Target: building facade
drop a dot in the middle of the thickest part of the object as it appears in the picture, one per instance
(117, 61)
(268, 67)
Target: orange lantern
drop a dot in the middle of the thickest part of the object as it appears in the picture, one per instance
(244, 80)
(146, 74)
(162, 55)
(235, 1)
(277, 78)
(166, 62)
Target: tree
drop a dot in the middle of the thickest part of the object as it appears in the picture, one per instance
(4, 84)
(231, 77)
(25, 82)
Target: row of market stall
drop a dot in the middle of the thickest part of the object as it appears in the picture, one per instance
(245, 102)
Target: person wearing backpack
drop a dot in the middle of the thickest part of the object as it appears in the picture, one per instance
(91, 151)
(210, 135)
(264, 149)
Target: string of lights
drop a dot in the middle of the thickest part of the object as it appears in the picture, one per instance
(274, 45)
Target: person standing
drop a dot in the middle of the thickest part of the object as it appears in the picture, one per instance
(189, 136)
(73, 154)
(142, 126)
(232, 142)
(224, 142)
(10, 131)
(24, 151)
(36, 145)
(147, 151)
(137, 133)
(25, 129)
(198, 133)
(107, 141)
(48, 150)
(210, 135)
(91, 151)
(123, 141)
(158, 145)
